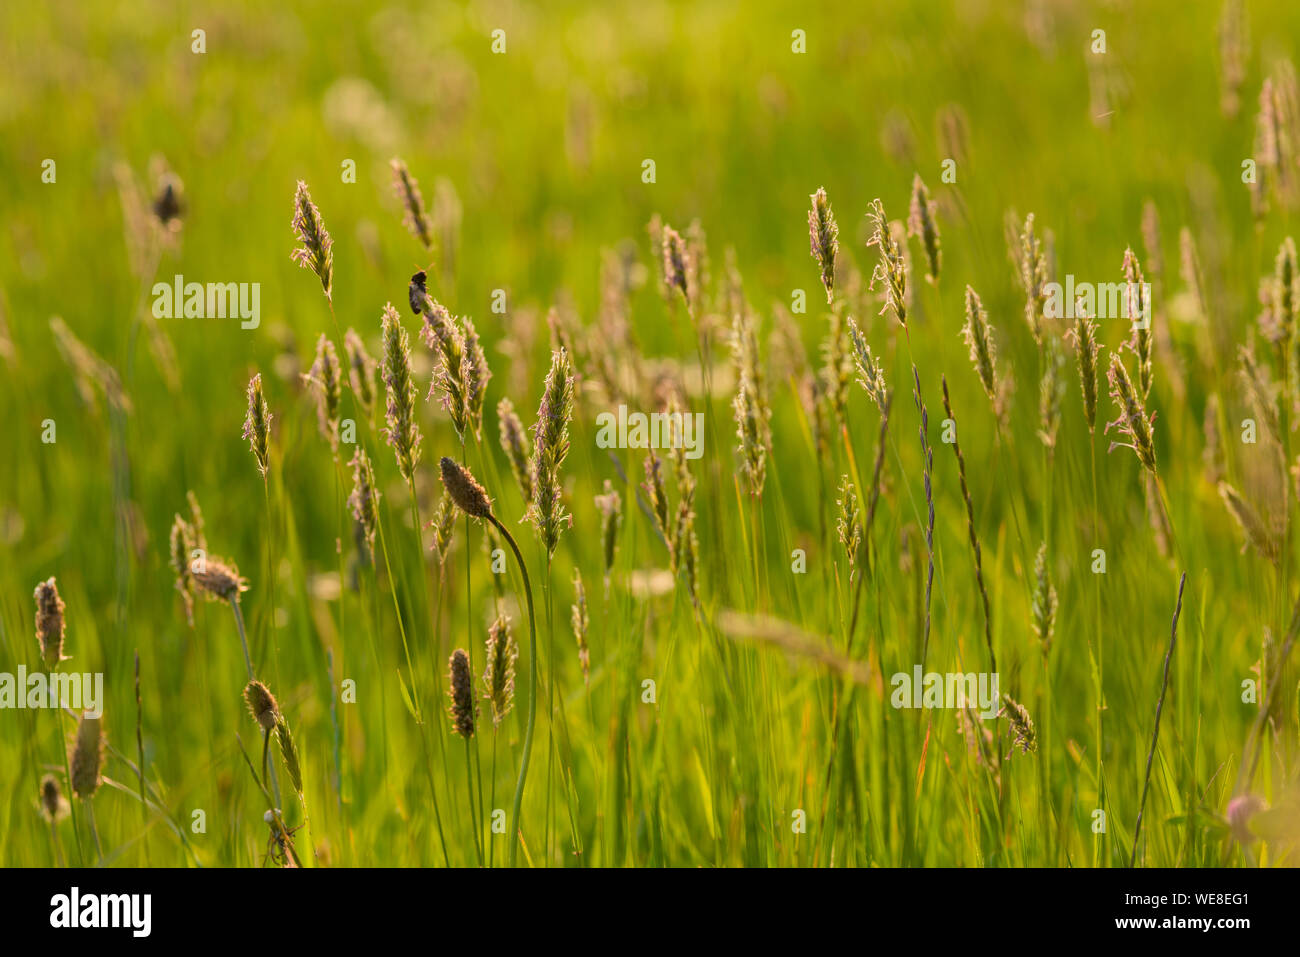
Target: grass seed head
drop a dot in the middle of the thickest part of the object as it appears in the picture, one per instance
(257, 424)
(979, 337)
(499, 671)
(364, 498)
(218, 580)
(463, 707)
(408, 194)
(261, 704)
(87, 757)
(824, 238)
(54, 806)
(316, 252)
(1133, 422)
(922, 224)
(403, 433)
(464, 490)
(361, 370)
(550, 447)
(50, 624)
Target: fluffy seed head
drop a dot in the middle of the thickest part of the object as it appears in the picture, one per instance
(464, 490)
(50, 623)
(218, 580)
(261, 705)
(849, 524)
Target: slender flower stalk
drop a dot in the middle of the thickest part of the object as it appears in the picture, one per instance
(472, 499)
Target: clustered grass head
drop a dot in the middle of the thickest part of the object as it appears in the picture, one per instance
(403, 433)
(610, 504)
(50, 624)
(1044, 601)
(361, 370)
(364, 498)
(849, 524)
(1136, 310)
(1083, 335)
(675, 263)
(1032, 262)
(316, 252)
(979, 337)
(257, 425)
(325, 380)
(922, 224)
(824, 237)
(408, 194)
(579, 620)
(514, 442)
(871, 376)
(550, 447)
(442, 335)
(891, 267)
(1022, 727)
(1133, 422)
(499, 671)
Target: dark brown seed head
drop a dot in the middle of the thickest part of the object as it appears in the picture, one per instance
(49, 623)
(463, 707)
(262, 704)
(54, 806)
(464, 490)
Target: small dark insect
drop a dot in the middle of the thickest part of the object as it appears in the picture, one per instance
(279, 846)
(167, 205)
(417, 292)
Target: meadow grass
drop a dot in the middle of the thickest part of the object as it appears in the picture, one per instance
(720, 693)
